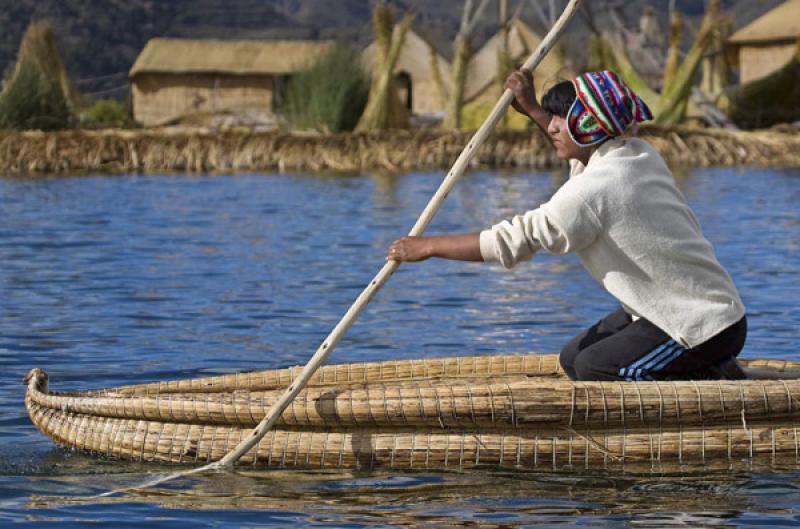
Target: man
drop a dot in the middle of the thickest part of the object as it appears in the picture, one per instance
(622, 214)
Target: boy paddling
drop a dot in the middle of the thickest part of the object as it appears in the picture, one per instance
(622, 214)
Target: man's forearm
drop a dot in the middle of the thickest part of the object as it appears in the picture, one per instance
(540, 117)
(465, 247)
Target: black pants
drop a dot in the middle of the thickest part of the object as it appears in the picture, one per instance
(617, 348)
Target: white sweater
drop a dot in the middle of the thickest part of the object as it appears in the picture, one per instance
(623, 215)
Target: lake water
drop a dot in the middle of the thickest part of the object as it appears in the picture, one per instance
(127, 279)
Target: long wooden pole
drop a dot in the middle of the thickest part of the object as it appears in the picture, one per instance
(389, 268)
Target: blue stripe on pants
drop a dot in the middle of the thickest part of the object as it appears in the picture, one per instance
(653, 355)
(676, 352)
(665, 355)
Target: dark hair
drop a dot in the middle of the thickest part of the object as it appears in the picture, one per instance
(559, 99)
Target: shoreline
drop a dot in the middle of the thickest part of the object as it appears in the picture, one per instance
(199, 150)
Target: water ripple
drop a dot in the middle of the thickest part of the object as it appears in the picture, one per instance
(109, 281)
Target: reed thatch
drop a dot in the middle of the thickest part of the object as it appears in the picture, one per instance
(462, 56)
(38, 93)
(232, 57)
(482, 73)
(418, 70)
(39, 46)
(208, 150)
(674, 48)
(384, 109)
(716, 64)
(674, 99)
(774, 98)
(670, 105)
(767, 43)
(517, 411)
(491, 64)
(175, 78)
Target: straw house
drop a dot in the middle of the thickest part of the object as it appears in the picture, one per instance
(482, 85)
(768, 43)
(415, 74)
(522, 40)
(172, 78)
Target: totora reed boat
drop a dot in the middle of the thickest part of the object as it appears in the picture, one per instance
(496, 411)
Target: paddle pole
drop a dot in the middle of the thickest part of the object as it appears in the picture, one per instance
(328, 345)
(389, 268)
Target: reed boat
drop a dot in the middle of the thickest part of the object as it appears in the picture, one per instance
(459, 412)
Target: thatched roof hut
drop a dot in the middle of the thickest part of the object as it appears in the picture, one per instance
(173, 78)
(415, 74)
(522, 40)
(483, 85)
(768, 43)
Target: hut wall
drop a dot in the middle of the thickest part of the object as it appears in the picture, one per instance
(159, 98)
(757, 61)
(425, 97)
(483, 68)
(415, 61)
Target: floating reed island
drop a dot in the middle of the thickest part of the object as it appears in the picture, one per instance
(205, 150)
(515, 411)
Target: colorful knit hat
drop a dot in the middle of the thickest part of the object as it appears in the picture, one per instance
(604, 107)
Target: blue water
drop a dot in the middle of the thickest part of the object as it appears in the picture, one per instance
(125, 279)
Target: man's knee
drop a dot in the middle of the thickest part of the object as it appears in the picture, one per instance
(567, 358)
(586, 367)
(583, 367)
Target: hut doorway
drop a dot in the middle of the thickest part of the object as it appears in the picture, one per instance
(402, 83)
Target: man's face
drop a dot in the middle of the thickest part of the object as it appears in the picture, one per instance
(565, 147)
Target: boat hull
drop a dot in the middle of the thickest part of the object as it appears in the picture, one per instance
(512, 411)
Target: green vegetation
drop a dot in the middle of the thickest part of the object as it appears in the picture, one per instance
(30, 102)
(330, 95)
(106, 113)
(38, 94)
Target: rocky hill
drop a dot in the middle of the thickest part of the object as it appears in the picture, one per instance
(100, 39)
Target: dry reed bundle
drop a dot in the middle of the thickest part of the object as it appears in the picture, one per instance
(38, 47)
(339, 375)
(515, 402)
(384, 109)
(38, 94)
(418, 448)
(516, 410)
(204, 150)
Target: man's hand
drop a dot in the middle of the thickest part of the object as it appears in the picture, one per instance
(520, 82)
(409, 249)
(466, 247)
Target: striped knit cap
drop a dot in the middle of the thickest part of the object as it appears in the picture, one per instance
(604, 107)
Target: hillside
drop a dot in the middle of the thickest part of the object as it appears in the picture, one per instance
(100, 39)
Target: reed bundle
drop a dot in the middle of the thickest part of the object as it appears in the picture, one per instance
(459, 412)
(205, 150)
(38, 93)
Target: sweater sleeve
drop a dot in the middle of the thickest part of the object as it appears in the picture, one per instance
(566, 223)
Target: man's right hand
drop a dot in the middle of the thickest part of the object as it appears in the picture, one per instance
(409, 249)
(520, 82)
(466, 247)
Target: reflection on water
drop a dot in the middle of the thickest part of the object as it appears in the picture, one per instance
(721, 499)
(109, 281)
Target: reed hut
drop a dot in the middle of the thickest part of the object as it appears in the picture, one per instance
(768, 43)
(415, 74)
(522, 40)
(175, 78)
(486, 75)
